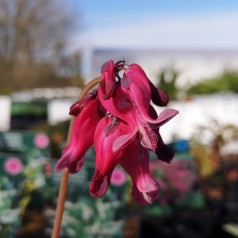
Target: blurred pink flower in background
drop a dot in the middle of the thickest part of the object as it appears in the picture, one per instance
(118, 177)
(41, 141)
(175, 179)
(13, 166)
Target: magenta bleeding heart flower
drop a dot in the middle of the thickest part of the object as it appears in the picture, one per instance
(119, 120)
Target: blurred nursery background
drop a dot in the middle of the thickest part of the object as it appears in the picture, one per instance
(49, 50)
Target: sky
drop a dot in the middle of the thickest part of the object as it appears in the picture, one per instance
(157, 23)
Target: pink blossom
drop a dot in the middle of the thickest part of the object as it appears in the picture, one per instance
(118, 177)
(13, 166)
(41, 140)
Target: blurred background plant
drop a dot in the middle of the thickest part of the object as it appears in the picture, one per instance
(226, 82)
(167, 81)
(33, 45)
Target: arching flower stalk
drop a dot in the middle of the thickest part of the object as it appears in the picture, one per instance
(123, 129)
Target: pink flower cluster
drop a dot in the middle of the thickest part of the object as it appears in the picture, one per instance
(120, 121)
(175, 179)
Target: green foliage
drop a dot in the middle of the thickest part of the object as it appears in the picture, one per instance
(92, 218)
(19, 190)
(226, 82)
(167, 81)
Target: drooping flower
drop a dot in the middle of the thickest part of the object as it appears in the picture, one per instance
(124, 128)
(83, 130)
(107, 131)
(136, 163)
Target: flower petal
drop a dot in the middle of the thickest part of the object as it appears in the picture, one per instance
(159, 97)
(165, 116)
(148, 138)
(142, 197)
(136, 162)
(163, 152)
(138, 76)
(107, 131)
(140, 102)
(77, 107)
(120, 106)
(99, 184)
(83, 130)
(108, 82)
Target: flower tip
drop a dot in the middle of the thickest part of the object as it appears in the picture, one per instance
(169, 113)
(144, 198)
(61, 164)
(75, 109)
(162, 98)
(108, 66)
(147, 185)
(107, 88)
(76, 166)
(99, 184)
(176, 112)
(108, 82)
(165, 154)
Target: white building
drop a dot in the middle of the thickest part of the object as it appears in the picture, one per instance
(193, 65)
(200, 111)
(5, 112)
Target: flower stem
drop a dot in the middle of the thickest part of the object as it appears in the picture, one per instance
(65, 174)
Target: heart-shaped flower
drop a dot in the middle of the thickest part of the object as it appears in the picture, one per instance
(119, 119)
